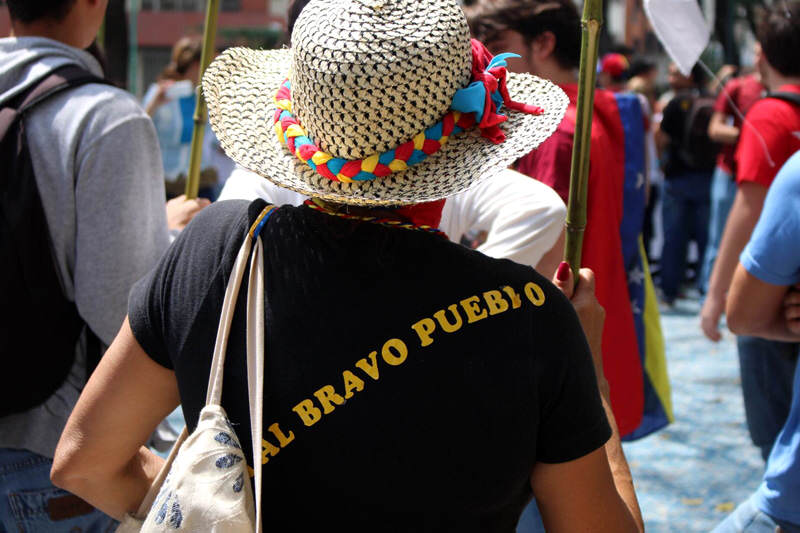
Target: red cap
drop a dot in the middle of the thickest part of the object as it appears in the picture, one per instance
(614, 64)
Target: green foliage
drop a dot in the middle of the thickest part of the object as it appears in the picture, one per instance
(252, 37)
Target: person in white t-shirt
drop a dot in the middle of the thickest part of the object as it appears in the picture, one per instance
(522, 218)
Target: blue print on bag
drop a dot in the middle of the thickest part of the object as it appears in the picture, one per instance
(162, 513)
(176, 516)
(239, 483)
(226, 439)
(228, 460)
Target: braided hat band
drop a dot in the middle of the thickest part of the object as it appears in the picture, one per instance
(480, 102)
(292, 134)
(368, 83)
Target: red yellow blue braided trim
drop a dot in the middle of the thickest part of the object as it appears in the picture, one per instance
(390, 222)
(294, 137)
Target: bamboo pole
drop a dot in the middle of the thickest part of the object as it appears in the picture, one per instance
(196, 153)
(579, 172)
(133, 46)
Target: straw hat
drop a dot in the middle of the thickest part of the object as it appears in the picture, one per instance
(367, 77)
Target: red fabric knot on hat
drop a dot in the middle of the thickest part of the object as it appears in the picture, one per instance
(490, 72)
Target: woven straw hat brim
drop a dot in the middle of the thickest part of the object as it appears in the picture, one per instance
(239, 88)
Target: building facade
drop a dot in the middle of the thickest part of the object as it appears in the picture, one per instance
(157, 24)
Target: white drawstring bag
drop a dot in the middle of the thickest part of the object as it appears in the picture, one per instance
(204, 485)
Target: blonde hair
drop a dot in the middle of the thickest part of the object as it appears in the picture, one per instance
(185, 52)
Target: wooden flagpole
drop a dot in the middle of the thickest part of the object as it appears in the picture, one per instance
(579, 172)
(200, 112)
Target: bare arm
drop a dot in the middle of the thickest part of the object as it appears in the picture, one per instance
(757, 308)
(579, 496)
(159, 98)
(594, 493)
(101, 456)
(791, 309)
(742, 219)
(719, 131)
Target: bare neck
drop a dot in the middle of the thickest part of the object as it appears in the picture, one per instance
(554, 72)
(775, 80)
(50, 29)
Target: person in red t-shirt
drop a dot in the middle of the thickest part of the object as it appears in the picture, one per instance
(769, 136)
(735, 99)
(550, 47)
(547, 36)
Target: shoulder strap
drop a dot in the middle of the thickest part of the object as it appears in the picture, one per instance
(255, 365)
(58, 80)
(214, 391)
(792, 98)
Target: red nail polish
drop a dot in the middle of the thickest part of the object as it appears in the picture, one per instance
(562, 274)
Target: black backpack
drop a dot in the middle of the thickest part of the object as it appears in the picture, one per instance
(39, 326)
(792, 98)
(697, 150)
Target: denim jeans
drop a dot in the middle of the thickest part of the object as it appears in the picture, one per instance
(531, 520)
(767, 370)
(747, 518)
(29, 502)
(723, 191)
(686, 205)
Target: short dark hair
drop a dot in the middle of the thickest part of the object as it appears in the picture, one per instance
(531, 18)
(779, 35)
(641, 65)
(295, 7)
(698, 75)
(27, 11)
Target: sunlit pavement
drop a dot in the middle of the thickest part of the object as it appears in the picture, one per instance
(691, 474)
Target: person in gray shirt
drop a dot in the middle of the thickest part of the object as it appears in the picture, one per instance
(98, 170)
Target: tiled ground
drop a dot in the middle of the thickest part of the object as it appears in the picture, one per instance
(691, 474)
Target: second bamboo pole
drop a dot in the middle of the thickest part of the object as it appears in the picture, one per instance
(200, 112)
(579, 172)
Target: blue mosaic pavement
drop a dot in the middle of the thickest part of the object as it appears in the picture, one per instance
(691, 474)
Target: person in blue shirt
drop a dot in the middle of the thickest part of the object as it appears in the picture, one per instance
(764, 300)
(170, 102)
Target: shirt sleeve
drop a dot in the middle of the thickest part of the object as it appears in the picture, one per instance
(767, 256)
(163, 306)
(723, 102)
(550, 163)
(573, 422)
(761, 144)
(522, 217)
(121, 226)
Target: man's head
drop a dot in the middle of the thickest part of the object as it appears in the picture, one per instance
(27, 11)
(613, 71)
(695, 80)
(74, 22)
(643, 68)
(778, 33)
(545, 33)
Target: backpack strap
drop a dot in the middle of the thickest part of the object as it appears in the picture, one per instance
(792, 98)
(56, 81)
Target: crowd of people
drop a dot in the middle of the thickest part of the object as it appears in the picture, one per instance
(403, 167)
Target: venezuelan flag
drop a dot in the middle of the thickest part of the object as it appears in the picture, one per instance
(647, 320)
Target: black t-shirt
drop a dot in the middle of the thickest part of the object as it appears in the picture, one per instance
(673, 123)
(687, 153)
(414, 382)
